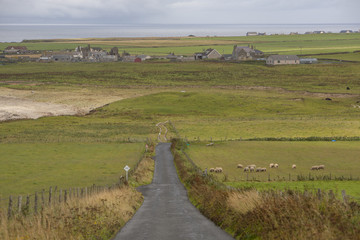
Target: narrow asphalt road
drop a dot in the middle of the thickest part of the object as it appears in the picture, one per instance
(167, 213)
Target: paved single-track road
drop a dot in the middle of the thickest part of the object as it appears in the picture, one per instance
(167, 213)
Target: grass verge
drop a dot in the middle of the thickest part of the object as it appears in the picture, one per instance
(249, 214)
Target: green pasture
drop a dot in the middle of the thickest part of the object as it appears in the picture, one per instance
(280, 44)
(92, 128)
(30, 167)
(314, 78)
(199, 113)
(341, 158)
(351, 187)
(234, 114)
(353, 56)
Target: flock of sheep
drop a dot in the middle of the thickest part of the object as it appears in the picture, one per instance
(253, 168)
(216, 170)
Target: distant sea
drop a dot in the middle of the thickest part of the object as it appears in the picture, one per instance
(19, 32)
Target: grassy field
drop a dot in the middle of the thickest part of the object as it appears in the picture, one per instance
(353, 56)
(313, 78)
(286, 44)
(221, 100)
(341, 159)
(31, 167)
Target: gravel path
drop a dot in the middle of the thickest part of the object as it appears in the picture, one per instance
(167, 213)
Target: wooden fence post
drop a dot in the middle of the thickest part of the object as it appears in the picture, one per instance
(19, 204)
(70, 193)
(60, 195)
(55, 194)
(10, 207)
(77, 192)
(43, 198)
(65, 196)
(36, 203)
(27, 206)
(319, 193)
(343, 193)
(86, 192)
(331, 194)
(50, 193)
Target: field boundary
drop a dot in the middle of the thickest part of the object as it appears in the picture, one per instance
(35, 203)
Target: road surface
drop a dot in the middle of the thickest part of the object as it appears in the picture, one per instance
(167, 213)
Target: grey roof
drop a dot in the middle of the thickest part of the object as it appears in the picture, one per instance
(284, 57)
(246, 49)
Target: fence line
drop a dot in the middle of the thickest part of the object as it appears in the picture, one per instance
(36, 202)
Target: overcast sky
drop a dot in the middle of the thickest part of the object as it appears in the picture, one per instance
(180, 11)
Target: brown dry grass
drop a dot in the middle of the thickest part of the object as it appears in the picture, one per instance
(144, 173)
(96, 217)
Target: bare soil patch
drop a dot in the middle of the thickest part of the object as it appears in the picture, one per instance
(27, 104)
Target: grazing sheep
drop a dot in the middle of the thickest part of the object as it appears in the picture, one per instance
(261, 169)
(271, 165)
(218, 169)
(246, 169)
(252, 169)
(252, 165)
(239, 166)
(293, 166)
(212, 170)
(314, 168)
(321, 167)
(276, 165)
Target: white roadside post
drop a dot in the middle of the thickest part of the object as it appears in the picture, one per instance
(127, 168)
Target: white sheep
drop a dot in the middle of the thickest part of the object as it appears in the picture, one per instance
(314, 168)
(212, 170)
(271, 165)
(239, 166)
(263, 169)
(321, 167)
(252, 165)
(276, 165)
(293, 166)
(252, 169)
(246, 169)
(218, 169)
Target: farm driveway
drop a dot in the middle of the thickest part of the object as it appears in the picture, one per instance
(167, 212)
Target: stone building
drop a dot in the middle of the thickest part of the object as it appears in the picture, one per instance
(282, 59)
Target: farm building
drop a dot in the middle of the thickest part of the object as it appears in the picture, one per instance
(346, 31)
(282, 59)
(246, 53)
(319, 32)
(144, 57)
(15, 49)
(62, 58)
(308, 60)
(208, 54)
(251, 34)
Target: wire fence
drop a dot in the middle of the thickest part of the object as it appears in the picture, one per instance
(34, 203)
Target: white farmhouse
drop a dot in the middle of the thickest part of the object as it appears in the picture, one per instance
(282, 59)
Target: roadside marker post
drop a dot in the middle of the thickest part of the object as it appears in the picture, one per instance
(127, 168)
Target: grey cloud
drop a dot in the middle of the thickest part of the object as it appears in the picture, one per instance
(182, 11)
